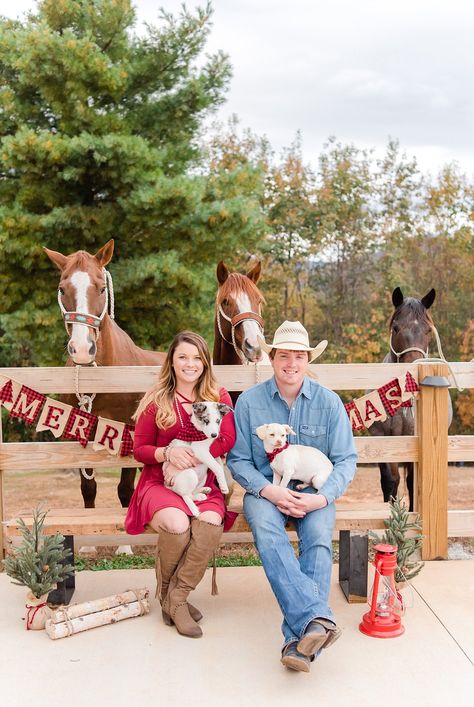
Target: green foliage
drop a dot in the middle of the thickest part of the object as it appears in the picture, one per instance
(38, 563)
(403, 533)
(98, 139)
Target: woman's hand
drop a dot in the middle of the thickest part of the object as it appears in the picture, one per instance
(182, 458)
(169, 473)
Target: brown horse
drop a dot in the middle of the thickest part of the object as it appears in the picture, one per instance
(84, 297)
(238, 319)
(411, 328)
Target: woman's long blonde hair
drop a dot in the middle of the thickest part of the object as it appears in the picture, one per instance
(163, 392)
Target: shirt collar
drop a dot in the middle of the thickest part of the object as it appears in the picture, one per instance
(305, 388)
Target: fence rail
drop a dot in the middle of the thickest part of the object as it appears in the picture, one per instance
(431, 448)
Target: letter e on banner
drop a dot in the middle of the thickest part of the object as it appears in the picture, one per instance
(54, 417)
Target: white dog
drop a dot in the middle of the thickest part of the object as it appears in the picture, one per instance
(294, 461)
(189, 483)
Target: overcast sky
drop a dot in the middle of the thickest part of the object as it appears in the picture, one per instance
(362, 70)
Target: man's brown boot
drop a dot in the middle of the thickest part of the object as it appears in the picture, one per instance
(169, 550)
(205, 539)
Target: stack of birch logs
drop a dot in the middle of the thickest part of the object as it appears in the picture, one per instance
(68, 620)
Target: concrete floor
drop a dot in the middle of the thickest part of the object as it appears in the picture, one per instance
(143, 662)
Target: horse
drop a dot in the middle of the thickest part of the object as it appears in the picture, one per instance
(84, 296)
(410, 327)
(237, 319)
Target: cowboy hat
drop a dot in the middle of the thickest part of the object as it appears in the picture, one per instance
(294, 337)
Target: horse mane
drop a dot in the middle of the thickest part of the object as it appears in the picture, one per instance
(236, 282)
(80, 259)
(416, 308)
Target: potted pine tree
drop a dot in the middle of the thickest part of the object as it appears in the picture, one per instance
(39, 563)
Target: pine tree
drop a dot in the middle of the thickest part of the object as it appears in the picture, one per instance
(40, 561)
(99, 138)
(402, 532)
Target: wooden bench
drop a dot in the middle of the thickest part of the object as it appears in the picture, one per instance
(353, 520)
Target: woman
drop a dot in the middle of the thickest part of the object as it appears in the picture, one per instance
(185, 543)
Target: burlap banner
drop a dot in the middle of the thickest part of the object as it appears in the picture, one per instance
(64, 420)
(382, 402)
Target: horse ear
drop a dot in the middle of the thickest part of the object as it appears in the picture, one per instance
(222, 272)
(428, 299)
(397, 297)
(254, 273)
(57, 258)
(104, 255)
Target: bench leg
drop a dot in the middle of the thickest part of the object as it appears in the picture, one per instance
(353, 565)
(65, 589)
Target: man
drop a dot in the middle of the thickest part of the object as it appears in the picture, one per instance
(301, 586)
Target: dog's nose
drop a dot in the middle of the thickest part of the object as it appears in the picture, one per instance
(214, 434)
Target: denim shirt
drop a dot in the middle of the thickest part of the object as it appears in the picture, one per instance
(317, 416)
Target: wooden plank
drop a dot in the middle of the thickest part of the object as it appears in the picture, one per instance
(36, 456)
(461, 523)
(432, 476)
(16, 456)
(133, 379)
(461, 448)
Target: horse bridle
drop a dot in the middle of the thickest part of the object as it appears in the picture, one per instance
(234, 322)
(399, 354)
(90, 320)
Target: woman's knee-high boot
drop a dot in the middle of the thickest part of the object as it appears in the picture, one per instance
(169, 550)
(205, 539)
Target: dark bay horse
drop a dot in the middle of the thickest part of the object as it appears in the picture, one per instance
(84, 297)
(238, 319)
(411, 328)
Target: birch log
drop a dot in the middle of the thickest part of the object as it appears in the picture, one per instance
(99, 618)
(66, 613)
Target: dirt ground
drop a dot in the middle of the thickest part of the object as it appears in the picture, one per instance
(23, 490)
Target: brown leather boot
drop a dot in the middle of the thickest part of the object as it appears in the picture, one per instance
(205, 539)
(169, 549)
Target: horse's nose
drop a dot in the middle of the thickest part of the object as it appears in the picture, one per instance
(82, 353)
(252, 352)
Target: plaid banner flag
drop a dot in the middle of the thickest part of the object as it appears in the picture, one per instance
(79, 426)
(28, 404)
(108, 435)
(411, 386)
(391, 396)
(354, 416)
(8, 392)
(127, 441)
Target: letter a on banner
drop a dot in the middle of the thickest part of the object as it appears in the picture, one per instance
(371, 409)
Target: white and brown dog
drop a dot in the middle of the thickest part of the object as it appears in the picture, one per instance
(293, 461)
(189, 483)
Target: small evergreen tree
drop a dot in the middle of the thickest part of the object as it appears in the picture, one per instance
(39, 562)
(400, 532)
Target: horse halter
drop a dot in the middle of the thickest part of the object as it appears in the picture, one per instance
(399, 354)
(90, 320)
(234, 322)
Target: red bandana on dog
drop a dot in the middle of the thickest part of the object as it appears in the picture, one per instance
(271, 455)
(187, 432)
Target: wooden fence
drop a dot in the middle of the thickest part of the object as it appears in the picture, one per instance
(431, 448)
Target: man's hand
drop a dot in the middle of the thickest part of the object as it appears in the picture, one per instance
(293, 503)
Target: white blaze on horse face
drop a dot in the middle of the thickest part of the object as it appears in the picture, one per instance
(250, 345)
(80, 343)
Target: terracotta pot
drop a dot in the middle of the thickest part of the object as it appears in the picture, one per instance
(37, 611)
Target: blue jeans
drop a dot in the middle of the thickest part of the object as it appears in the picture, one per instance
(300, 585)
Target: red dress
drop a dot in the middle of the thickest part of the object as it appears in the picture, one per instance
(150, 494)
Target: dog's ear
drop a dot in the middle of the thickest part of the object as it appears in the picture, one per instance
(261, 431)
(223, 408)
(289, 430)
(199, 408)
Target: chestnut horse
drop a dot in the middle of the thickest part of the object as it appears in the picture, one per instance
(238, 320)
(84, 295)
(411, 328)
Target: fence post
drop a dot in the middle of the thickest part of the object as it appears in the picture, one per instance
(432, 476)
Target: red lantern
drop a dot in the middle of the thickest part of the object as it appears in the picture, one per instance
(384, 618)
